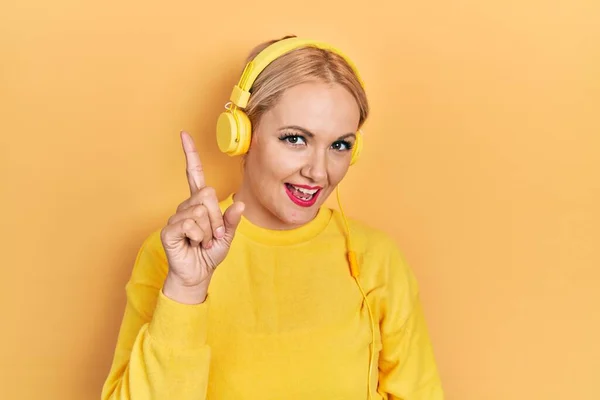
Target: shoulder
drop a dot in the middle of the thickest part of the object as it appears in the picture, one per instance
(153, 244)
(151, 261)
(380, 255)
(225, 202)
(367, 238)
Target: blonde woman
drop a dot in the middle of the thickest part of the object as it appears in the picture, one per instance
(254, 296)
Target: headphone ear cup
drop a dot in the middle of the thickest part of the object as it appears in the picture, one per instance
(233, 132)
(227, 132)
(244, 131)
(356, 150)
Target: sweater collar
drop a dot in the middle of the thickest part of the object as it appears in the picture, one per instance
(272, 237)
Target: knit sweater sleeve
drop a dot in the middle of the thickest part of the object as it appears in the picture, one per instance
(407, 367)
(161, 349)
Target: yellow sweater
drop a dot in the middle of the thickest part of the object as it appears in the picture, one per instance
(283, 319)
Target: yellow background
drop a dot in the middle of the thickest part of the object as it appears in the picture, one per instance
(482, 158)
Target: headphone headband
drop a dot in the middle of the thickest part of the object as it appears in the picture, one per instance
(241, 92)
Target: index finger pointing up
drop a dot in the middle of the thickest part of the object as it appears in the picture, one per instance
(193, 165)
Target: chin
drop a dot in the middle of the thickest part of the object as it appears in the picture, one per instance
(290, 213)
(300, 217)
(294, 215)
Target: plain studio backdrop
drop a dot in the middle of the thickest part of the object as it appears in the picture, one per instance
(482, 159)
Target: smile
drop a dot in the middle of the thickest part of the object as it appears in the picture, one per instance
(304, 196)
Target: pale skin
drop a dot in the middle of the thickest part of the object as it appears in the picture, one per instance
(305, 139)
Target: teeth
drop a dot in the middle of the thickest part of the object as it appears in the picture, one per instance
(306, 191)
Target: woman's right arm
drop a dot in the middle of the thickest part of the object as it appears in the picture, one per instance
(161, 350)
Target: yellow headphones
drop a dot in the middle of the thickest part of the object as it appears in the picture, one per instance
(234, 130)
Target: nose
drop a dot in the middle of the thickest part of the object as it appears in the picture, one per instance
(315, 167)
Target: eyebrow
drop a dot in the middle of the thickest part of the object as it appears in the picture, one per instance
(312, 135)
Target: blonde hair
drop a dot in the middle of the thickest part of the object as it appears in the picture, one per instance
(307, 64)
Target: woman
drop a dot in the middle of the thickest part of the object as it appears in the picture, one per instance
(252, 297)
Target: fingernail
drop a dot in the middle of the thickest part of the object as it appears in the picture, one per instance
(209, 244)
(219, 232)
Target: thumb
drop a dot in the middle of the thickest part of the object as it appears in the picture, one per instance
(232, 217)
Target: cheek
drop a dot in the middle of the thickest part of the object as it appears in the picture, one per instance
(337, 172)
(270, 164)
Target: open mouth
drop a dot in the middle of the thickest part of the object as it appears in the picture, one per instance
(302, 195)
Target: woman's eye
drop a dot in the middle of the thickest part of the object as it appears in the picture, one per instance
(293, 139)
(341, 145)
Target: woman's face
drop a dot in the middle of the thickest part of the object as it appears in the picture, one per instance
(300, 151)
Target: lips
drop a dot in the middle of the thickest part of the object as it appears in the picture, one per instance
(303, 195)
